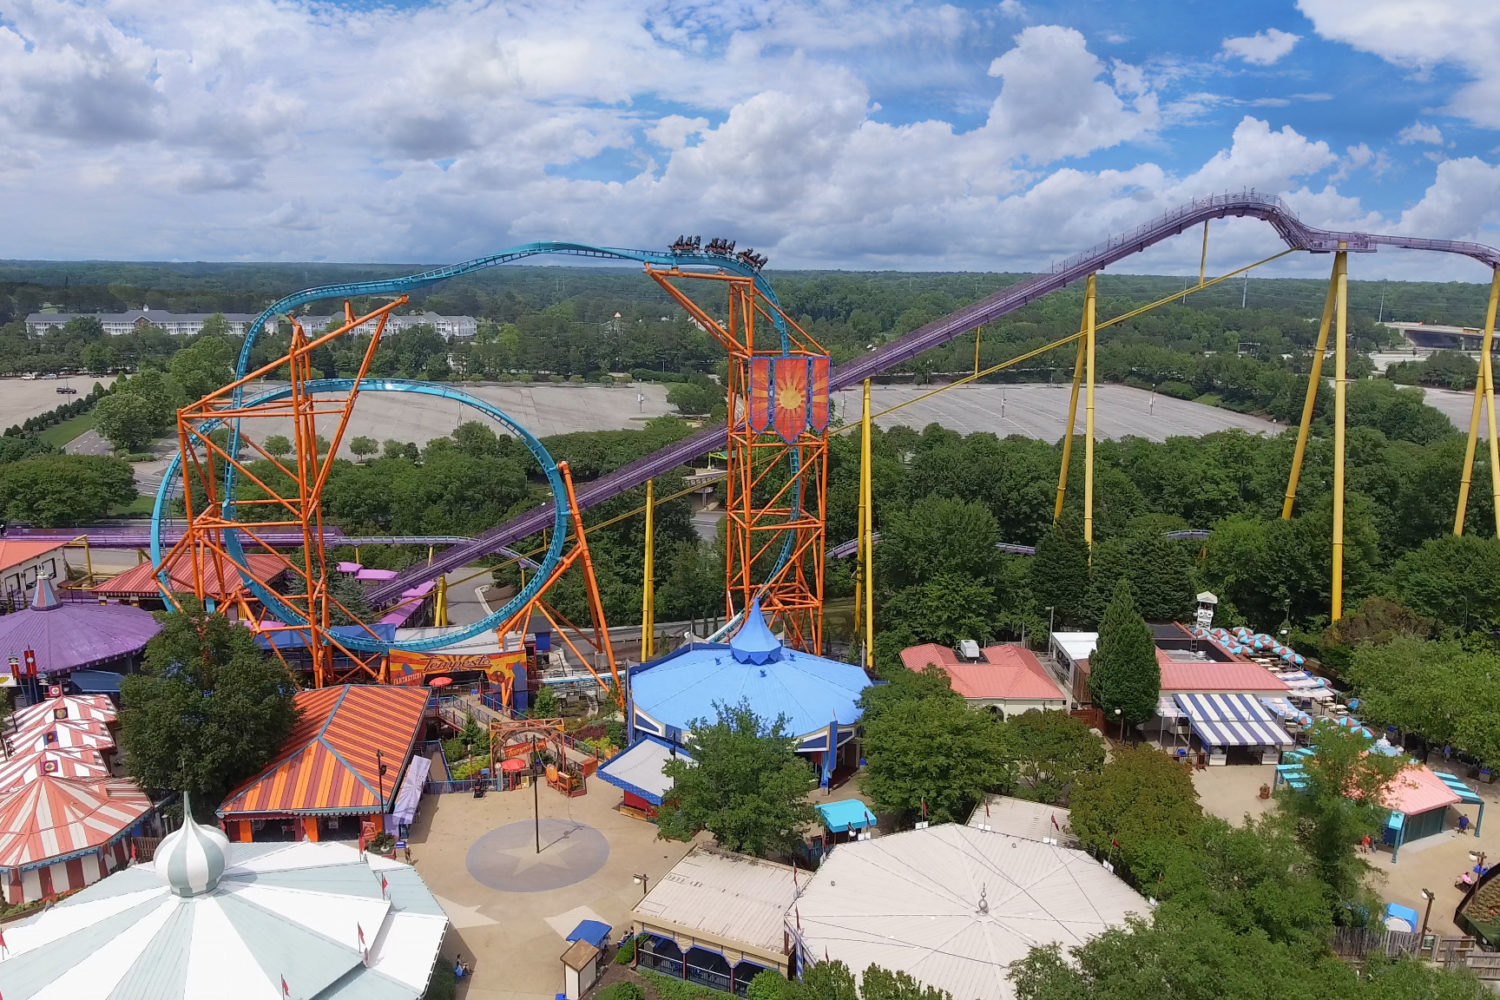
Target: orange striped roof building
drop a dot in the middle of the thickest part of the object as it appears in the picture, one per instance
(327, 768)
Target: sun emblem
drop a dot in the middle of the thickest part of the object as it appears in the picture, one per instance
(788, 397)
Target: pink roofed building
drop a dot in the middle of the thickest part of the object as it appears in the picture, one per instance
(1006, 678)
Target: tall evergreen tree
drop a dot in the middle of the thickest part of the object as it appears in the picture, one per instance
(1123, 672)
(1060, 573)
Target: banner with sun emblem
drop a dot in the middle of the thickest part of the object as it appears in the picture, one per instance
(791, 398)
(760, 395)
(818, 410)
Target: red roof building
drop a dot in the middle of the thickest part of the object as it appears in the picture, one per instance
(22, 561)
(57, 834)
(1008, 678)
(139, 582)
(327, 769)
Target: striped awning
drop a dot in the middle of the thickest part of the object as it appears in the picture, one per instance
(1231, 720)
(1463, 791)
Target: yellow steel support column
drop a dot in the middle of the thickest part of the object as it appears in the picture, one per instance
(1090, 296)
(1314, 380)
(440, 603)
(1487, 367)
(1340, 379)
(867, 505)
(1468, 470)
(1067, 454)
(1484, 390)
(1203, 258)
(976, 351)
(648, 578)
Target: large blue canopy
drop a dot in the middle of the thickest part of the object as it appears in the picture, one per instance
(754, 642)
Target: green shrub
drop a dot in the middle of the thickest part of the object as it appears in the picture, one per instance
(668, 988)
(453, 751)
(626, 954)
(468, 769)
(623, 990)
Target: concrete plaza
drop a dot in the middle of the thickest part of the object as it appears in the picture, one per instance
(1233, 792)
(464, 847)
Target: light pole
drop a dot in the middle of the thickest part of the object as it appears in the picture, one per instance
(536, 803)
(380, 777)
(643, 881)
(1120, 715)
(1051, 620)
(1427, 895)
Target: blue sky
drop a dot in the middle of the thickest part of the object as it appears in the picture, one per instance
(994, 136)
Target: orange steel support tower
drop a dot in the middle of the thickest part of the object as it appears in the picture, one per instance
(288, 499)
(777, 481)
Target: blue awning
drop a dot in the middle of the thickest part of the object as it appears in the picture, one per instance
(1463, 791)
(595, 932)
(1231, 720)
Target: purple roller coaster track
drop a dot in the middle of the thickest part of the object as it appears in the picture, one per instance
(1267, 208)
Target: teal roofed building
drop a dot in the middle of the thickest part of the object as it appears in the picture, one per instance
(818, 697)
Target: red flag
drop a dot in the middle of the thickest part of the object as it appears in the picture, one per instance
(986, 808)
(132, 852)
(286, 990)
(383, 885)
(924, 808)
(1054, 822)
(2, 940)
(361, 934)
(798, 911)
(1114, 843)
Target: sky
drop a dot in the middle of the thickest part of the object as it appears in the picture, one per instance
(853, 134)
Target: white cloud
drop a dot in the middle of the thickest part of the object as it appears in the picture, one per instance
(1416, 37)
(1053, 104)
(1263, 48)
(1419, 132)
(1012, 8)
(673, 131)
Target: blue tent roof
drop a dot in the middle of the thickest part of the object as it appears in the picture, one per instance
(754, 642)
(595, 932)
(810, 691)
(846, 814)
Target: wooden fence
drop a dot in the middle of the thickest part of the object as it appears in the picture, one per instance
(1357, 943)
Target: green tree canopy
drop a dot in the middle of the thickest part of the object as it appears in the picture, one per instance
(1060, 574)
(1051, 751)
(50, 490)
(933, 751)
(937, 535)
(1129, 808)
(1123, 673)
(748, 787)
(128, 421)
(1453, 579)
(363, 447)
(945, 609)
(277, 445)
(207, 710)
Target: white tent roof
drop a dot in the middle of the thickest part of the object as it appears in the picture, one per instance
(1077, 645)
(954, 906)
(291, 911)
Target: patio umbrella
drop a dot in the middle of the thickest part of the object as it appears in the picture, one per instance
(438, 682)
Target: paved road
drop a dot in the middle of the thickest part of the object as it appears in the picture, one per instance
(1041, 411)
(1457, 405)
(21, 398)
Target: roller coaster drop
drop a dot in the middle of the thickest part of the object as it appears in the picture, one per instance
(776, 437)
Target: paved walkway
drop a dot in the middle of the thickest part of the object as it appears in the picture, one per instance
(515, 936)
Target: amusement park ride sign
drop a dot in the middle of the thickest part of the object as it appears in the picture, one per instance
(790, 394)
(418, 668)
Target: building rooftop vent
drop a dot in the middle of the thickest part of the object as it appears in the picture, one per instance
(969, 650)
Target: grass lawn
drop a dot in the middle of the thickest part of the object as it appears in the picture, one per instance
(60, 434)
(139, 507)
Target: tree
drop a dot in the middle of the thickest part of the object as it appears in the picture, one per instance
(128, 421)
(1140, 798)
(933, 751)
(937, 535)
(545, 705)
(1339, 805)
(945, 609)
(1060, 573)
(51, 490)
(277, 445)
(352, 607)
(1123, 673)
(1159, 571)
(931, 684)
(363, 447)
(208, 709)
(1051, 751)
(694, 399)
(1454, 579)
(747, 786)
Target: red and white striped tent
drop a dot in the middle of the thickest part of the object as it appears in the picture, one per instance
(83, 762)
(75, 707)
(48, 735)
(60, 834)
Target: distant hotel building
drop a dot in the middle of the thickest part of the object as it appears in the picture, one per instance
(188, 324)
